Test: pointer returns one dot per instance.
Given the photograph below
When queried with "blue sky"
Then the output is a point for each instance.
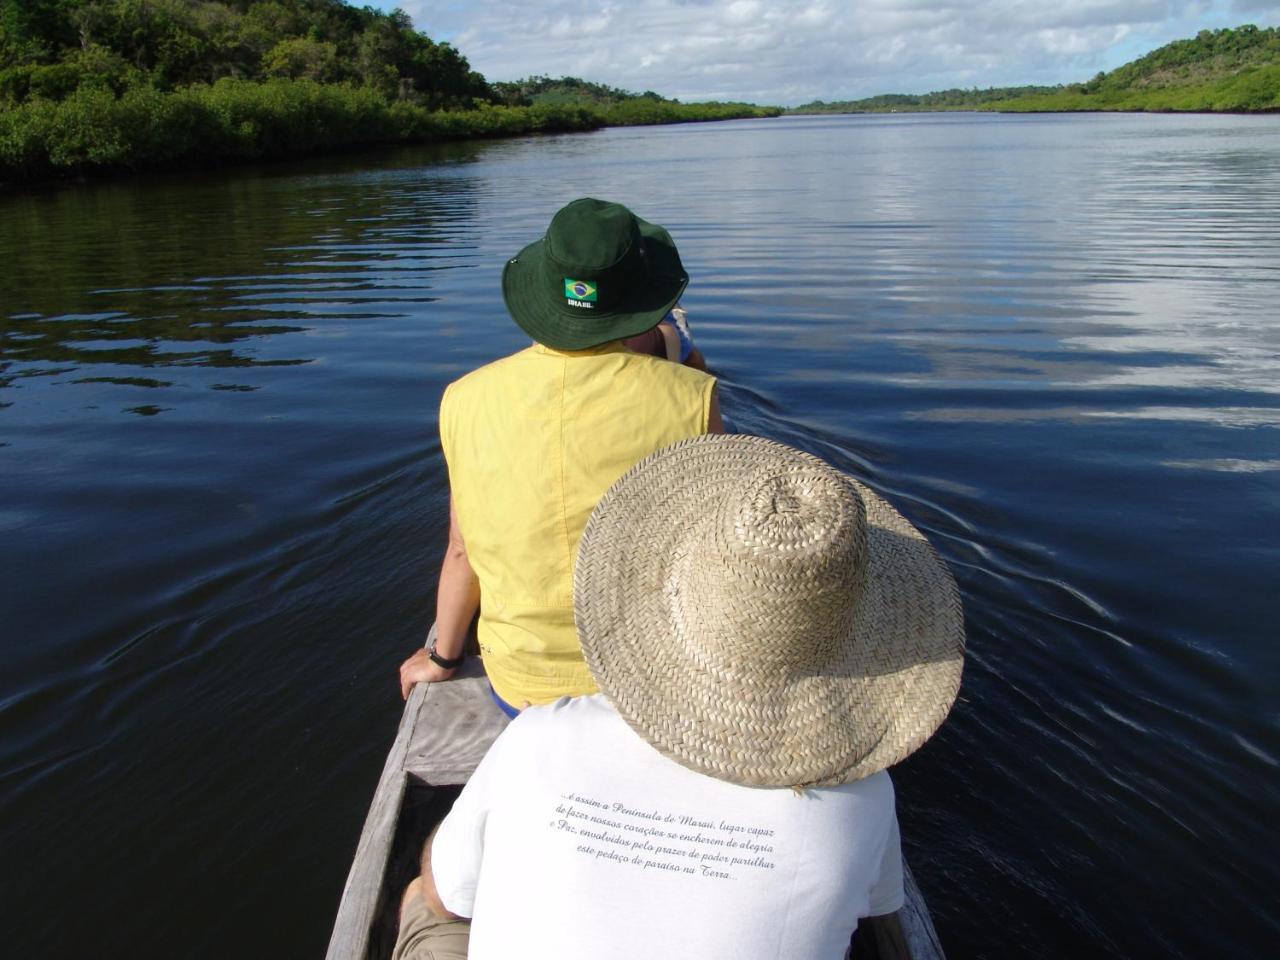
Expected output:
(791, 51)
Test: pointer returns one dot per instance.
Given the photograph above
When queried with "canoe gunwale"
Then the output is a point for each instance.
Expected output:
(357, 911)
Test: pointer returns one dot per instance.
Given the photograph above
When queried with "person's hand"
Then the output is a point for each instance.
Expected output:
(420, 668)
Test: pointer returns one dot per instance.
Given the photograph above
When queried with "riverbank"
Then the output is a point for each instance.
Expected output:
(1217, 71)
(1254, 91)
(95, 132)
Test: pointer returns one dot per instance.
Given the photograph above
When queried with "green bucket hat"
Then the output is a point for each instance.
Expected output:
(600, 274)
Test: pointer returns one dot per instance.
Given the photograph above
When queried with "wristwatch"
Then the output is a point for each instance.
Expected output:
(444, 662)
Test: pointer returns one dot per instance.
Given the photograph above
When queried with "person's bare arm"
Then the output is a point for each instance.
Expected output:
(670, 341)
(696, 360)
(429, 892)
(457, 600)
(715, 423)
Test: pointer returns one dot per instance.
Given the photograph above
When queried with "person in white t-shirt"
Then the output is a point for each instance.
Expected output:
(765, 646)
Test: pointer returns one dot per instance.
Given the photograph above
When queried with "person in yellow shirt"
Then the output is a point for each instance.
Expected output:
(671, 339)
(532, 441)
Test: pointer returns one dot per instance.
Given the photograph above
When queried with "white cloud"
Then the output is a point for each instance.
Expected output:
(742, 11)
(789, 51)
(574, 29)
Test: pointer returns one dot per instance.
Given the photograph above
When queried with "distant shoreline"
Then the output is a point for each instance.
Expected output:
(1229, 71)
(1268, 111)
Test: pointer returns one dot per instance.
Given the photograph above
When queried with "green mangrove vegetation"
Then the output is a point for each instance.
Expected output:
(133, 85)
(939, 100)
(1218, 70)
(1229, 70)
(620, 107)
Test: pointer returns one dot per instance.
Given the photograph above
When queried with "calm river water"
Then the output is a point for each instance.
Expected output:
(1051, 341)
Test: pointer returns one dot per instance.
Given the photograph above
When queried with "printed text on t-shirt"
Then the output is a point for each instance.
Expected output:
(669, 841)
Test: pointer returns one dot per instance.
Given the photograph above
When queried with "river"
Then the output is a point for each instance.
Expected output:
(1051, 341)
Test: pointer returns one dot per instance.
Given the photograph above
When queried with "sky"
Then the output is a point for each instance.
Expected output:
(787, 52)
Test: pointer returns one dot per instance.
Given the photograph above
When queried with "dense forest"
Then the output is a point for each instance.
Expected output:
(49, 48)
(92, 85)
(566, 90)
(1217, 70)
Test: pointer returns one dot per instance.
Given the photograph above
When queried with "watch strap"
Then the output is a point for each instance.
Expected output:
(445, 662)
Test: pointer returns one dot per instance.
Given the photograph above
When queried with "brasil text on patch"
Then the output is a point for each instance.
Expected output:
(579, 293)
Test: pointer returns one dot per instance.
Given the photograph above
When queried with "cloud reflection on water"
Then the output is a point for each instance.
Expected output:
(1233, 417)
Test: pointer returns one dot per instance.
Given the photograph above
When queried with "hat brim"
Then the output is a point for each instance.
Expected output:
(550, 320)
(846, 721)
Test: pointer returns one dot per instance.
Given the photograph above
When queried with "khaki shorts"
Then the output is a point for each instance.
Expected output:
(424, 936)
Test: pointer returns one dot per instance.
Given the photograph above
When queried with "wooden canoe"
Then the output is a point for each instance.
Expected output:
(445, 730)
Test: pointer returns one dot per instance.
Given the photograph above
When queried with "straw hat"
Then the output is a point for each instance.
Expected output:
(761, 618)
(600, 274)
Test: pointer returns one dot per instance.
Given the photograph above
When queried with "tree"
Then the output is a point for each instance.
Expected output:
(301, 58)
(41, 26)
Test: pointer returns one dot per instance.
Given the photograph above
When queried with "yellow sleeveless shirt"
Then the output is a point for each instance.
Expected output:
(532, 443)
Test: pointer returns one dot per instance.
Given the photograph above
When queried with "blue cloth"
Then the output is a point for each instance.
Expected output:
(686, 345)
(505, 707)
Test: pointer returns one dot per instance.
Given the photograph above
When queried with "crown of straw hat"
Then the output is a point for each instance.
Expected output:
(775, 624)
(600, 273)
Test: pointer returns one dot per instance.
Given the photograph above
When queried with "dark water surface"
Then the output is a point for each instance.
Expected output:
(1053, 342)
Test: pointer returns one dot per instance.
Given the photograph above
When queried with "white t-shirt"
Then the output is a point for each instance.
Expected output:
(576, 839)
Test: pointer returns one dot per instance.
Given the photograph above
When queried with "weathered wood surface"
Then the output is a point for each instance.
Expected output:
(444, 732)
(454, 728)
(917, 925)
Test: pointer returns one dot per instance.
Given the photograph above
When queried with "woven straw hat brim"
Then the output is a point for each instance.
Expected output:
(867, 708)
(540, 310)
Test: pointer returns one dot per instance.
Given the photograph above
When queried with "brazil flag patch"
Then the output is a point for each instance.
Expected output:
(579, 290)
